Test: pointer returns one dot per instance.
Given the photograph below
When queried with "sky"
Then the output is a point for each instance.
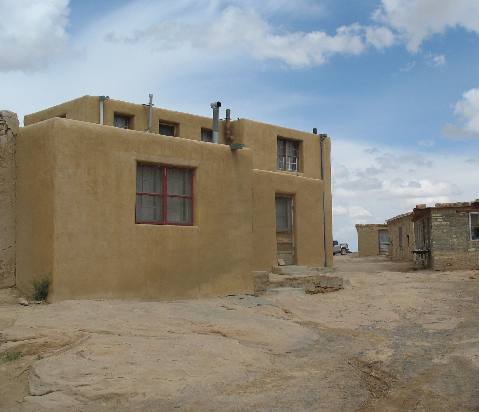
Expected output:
(394, 83)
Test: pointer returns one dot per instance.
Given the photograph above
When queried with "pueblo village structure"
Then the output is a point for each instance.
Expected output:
(445, 236)
(113, 199)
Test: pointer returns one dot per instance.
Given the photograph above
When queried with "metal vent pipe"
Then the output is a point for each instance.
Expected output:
(150, 112)
(216, 121)
(102, 108)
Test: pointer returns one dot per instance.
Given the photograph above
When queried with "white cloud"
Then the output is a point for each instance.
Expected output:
(31, 32)
(427, 143)
(375, 184)
(437, 60)
(417, 20)
(380, 37)
(467, 110)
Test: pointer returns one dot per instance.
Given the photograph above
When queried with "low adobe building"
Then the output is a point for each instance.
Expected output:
(373, 239)
(401, 237)
(447, 235)
(121, 200)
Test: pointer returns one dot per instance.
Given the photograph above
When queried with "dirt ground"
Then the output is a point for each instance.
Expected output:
(392, 340)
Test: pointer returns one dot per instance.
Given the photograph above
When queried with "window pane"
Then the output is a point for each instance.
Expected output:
(167, 129)
(474, 226)
(179, 210)
(149, 209)
(149, 179)
(206, 135)
(283, 214)
(179, 181)
(121, 121)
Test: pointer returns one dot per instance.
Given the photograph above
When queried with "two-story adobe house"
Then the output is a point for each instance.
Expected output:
(121, 200)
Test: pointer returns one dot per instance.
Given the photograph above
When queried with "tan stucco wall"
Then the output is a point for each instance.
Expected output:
(262, 138)
(86, 109)
(368, 239)
(308, 224)
(404, 253)
(35, 203)
(87, 181)
(235, 230)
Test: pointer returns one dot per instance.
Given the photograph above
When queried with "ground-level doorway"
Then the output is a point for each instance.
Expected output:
(383, 242)
(285, 230)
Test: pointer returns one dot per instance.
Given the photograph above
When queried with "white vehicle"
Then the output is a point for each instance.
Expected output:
(341, 248)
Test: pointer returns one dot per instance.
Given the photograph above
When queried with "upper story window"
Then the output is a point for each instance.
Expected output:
(168, 129)
(474, 224)
(122, 121)
(288, 155)
(164, 195)
(206, 135)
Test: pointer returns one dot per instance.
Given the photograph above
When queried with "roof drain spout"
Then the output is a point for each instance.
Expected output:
(216, 121)
(102, 108)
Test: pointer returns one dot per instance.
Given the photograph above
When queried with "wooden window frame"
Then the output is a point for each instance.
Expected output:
(176, 127)
(206, 129)
(130, 117)
(285, 156)
(164, 195)
(470, 226)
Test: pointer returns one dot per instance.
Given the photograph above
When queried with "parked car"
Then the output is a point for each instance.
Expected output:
(341, 248)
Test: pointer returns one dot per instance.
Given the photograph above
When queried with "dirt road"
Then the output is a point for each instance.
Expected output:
(391, 340)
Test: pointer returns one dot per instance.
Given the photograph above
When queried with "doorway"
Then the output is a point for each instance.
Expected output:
(383, 242)
(285, 230)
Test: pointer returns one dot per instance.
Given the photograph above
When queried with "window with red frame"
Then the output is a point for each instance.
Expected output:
(164, 195)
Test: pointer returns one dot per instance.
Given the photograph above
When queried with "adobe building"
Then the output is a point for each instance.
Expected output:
(447, 235)
(373, 240)
(163, 205)
(401, 237)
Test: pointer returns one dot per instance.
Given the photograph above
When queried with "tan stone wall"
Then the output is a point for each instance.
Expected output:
(396, 252)
(368, 239)
(451, 244)
(8, 132)
(82, 229)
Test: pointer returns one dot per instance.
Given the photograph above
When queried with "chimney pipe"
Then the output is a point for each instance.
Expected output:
(315, 131)
(216, 121)
(228, 137)
(150, 112)
(102, 108)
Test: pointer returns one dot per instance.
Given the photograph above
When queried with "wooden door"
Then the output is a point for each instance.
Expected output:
(285, 230)
(383, 242)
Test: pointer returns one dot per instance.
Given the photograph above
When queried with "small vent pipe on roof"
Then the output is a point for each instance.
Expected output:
(216, 121)
(228, 136)
(102, 108)
(150, 112)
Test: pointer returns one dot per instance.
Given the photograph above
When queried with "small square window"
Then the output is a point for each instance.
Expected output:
(122, 121)
(206, 135)
(474, 220)
(168, 129)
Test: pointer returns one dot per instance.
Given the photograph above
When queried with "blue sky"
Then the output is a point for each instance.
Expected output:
(393, 82)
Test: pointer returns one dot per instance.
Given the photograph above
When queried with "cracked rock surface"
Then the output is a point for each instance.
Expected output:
(391, 340)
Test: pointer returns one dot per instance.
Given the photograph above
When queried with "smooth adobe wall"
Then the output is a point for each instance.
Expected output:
(262, 139)
(35, 168)
(308, 224)
(87, 109)
(368, 239)
(99, 251)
